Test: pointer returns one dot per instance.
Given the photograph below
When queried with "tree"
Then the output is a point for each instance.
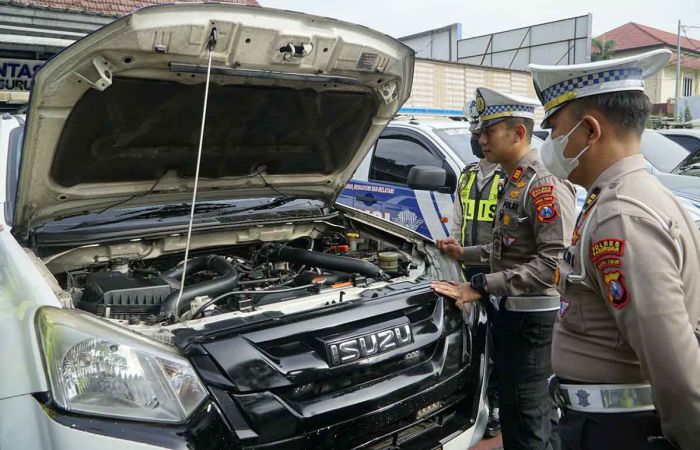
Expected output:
(604, 49)
(687, 114)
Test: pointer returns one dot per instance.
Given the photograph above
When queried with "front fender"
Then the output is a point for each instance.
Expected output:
(22, 291)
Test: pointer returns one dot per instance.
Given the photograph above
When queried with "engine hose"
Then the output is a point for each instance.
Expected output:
(327, 261)
(226, 281)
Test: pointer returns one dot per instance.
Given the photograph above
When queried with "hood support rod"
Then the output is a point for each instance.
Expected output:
(213, 35)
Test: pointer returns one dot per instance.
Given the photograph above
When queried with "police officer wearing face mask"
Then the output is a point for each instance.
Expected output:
(534, 219)
(625, 347)
(474, 210)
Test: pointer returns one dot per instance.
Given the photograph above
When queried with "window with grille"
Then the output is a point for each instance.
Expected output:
(687, 86)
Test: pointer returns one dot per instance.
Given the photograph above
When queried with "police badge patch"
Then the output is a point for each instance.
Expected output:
(546, 213)
(480, 103)
(617, 291)
(544, 203)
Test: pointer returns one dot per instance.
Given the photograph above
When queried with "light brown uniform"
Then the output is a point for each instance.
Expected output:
(635, 315)
(534, 219)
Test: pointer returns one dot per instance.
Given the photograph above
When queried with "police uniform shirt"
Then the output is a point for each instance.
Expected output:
(534, 219)
(635, 315)
(477, 228)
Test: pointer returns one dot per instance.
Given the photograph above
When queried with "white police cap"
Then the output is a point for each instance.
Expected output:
(493, 107)
(558, 85)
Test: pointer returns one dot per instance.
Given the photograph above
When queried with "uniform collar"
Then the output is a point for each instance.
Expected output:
(528, 159)
(525, 162)
(487, 167)
(624, 166)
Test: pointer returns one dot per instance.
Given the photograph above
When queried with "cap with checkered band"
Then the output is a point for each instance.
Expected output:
(493, 107)
(558, 85)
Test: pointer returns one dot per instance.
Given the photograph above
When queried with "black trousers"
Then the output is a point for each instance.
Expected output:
(522, 352)
(620, 431)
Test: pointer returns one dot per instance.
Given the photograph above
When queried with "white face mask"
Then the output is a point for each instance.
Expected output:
(552, 152)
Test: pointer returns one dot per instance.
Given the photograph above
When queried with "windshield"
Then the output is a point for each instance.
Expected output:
(458, 140)
(661, 152)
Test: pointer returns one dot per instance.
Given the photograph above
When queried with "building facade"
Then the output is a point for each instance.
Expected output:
(633, 38)
(32, 31)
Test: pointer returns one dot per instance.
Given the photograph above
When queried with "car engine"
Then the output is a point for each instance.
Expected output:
(240, 278)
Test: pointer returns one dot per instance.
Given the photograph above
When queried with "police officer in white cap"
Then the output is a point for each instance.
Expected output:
(625, 349)
(534, 219)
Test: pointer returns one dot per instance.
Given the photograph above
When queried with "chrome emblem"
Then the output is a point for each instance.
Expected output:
(350, 349)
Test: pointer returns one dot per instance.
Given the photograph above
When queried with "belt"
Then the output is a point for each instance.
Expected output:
(531, 304)
(604, 398)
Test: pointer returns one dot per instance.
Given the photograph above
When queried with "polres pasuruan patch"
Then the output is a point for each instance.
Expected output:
(607, 247)
(539, 191)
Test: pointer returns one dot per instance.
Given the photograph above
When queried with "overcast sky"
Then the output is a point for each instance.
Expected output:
(404, 17)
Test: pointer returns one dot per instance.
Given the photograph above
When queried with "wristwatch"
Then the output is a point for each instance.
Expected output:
(478, 283)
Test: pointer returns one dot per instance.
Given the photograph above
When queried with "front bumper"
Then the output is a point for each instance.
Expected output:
(27, 424)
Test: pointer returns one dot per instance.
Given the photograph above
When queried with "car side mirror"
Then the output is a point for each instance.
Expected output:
(428, 178)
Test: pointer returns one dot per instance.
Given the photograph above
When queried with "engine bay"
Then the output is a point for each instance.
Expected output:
(238, 278)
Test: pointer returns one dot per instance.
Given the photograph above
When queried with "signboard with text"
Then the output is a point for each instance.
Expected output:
(16, 74)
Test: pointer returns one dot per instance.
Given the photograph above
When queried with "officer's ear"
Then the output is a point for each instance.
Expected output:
(520, 132)
(593, 126)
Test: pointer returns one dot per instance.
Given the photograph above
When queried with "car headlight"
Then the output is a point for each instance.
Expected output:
(99, 368)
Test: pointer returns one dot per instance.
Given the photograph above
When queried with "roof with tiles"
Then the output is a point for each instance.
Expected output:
(633, 36)
(110, 8)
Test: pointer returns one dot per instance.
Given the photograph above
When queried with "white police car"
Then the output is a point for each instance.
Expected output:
(381, 186)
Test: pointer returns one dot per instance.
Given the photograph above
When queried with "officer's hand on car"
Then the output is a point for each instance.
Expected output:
(450, 246)
(462, 293)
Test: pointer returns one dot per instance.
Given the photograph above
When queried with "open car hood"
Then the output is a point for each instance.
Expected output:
(295, 102)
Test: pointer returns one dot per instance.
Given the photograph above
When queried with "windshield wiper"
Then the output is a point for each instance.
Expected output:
(155, 213)
(689, 168)
(275, 202)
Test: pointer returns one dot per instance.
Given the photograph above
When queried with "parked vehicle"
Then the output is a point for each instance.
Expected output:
(690, 140)
(666, 158)
(294, 324)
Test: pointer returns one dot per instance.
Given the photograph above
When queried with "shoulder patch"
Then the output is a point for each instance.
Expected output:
(608, 262)
(517, 174)
(547, 213)
(591, 199)
(607, 247)
(617, 291)
(545, 205)
(539, 191)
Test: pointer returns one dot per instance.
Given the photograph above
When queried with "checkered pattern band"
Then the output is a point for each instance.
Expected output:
(568, 88)
(495, 111)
